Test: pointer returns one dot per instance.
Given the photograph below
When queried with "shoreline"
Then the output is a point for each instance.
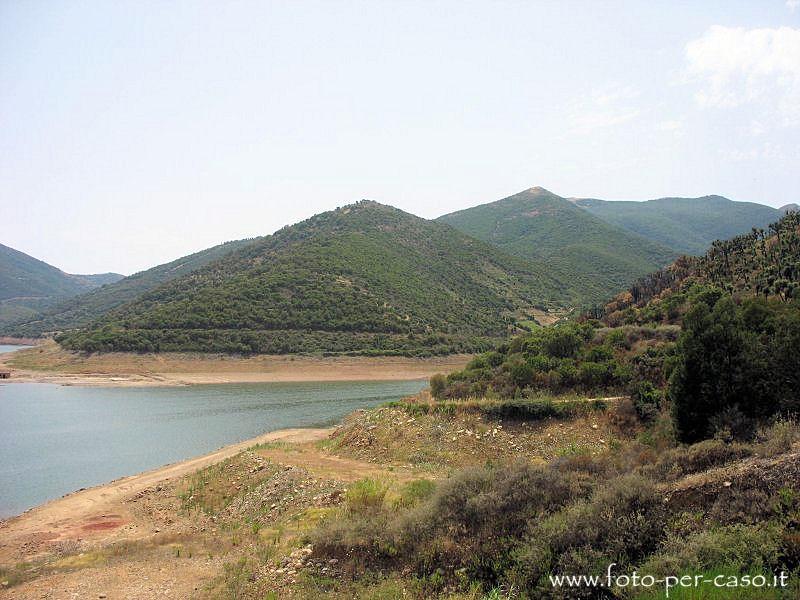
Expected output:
(48, 363)
(67, 516)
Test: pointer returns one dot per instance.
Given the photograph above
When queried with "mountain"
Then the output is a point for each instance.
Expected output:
(22, 276)
(101, 279)
(597, 258)
(763, 263)
(79, 311)
(28, 285)
(688, 225)
(794, 207)
(365, 278)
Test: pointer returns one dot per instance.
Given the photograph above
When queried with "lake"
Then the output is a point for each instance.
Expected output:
(57, 439)
(5, 348)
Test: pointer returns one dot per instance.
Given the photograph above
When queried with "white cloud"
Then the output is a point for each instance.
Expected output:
(792, 4)
(604, 108)
(675, 128)
(737, 66)
(612, 95)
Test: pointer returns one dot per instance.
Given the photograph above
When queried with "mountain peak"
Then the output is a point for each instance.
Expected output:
(538, 191)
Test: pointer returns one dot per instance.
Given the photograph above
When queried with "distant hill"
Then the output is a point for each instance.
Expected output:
(79, 311)
(22, 276)
(688, 225)
(366, 278)
(29, 285)
(101, 278)
(789, 207)
(595, 259)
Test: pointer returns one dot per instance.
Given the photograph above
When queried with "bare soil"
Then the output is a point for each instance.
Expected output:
(49, 363)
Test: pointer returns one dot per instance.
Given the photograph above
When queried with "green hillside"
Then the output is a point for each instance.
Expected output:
(596, 258)
(29, 285)
(688, 225)
(714, 339)
(22, 276)
(81, 310)
(764, 263)
(366, 278)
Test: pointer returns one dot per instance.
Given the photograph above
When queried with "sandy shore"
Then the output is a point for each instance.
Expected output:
(77, 515)
(48, 363)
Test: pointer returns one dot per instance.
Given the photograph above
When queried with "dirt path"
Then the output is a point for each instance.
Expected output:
(98, 514)
(330, 466)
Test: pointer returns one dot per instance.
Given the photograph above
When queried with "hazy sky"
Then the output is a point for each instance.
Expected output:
(132, 133)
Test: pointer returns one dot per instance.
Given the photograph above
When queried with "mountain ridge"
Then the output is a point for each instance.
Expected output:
(688, 225)
(365, 278)
(29, 285)
(79, 311)
(539, 225)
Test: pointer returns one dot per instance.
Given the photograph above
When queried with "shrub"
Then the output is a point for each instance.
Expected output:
(438, 384)
(777, 438)
(732, 424)
(623, 522)
(737, 504)
(677, 462)
(646, 400)
(366, 495)
(738, 547)
(416, 491)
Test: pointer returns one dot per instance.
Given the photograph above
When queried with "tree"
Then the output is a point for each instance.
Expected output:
(718, 369)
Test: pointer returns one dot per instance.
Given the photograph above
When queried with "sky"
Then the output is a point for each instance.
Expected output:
(133, 133)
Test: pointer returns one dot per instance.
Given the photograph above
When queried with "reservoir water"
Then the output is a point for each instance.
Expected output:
(57, 439)
(5, 348)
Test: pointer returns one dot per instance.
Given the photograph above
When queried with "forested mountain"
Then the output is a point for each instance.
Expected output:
(79, 311)
(577, 258)
(28, 285)
(687, 225)
(763, 263)
(22, 276)
(597, 258)
(365, 278)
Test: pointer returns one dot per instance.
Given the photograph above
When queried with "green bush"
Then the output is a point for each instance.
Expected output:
(623, 522)
(684, 460)
(646, 400)
(366, 495)
(738, 547)
(438, 384)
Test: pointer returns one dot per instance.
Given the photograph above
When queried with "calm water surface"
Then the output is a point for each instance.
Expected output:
(57, 439)
(4, 348)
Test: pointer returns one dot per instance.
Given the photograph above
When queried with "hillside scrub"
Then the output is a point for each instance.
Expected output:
(573, 357)
(733, 364)
(512, 526)
(764, 263)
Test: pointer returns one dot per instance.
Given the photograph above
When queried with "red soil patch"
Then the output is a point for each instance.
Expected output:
(104, 523)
